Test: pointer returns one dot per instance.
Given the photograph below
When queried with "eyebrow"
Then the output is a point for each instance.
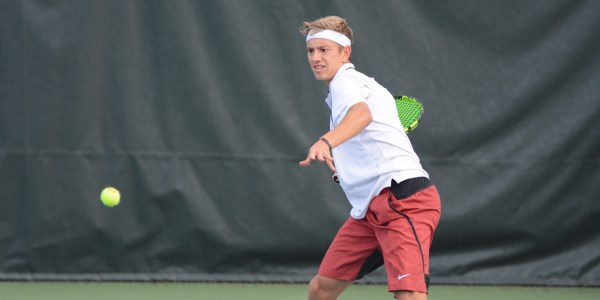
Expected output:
(318, 47)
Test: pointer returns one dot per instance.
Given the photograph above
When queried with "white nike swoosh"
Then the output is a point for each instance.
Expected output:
(402, 276)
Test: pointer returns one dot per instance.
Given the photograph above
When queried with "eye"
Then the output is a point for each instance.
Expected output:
(310, 50)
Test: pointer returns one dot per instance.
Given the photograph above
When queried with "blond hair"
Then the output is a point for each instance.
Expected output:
(334, 23)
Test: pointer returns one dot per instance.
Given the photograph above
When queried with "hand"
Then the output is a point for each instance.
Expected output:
(319, 151)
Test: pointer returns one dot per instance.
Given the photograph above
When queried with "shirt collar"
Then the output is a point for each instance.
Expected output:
(343, 68)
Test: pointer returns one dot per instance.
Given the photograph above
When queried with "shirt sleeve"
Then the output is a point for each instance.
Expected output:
(346, 92)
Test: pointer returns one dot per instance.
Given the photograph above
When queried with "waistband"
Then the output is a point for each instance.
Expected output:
(409, 187)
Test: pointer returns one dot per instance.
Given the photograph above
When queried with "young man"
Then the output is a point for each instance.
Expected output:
(395, 208)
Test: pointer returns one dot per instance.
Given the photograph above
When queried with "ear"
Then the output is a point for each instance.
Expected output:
(346, 51)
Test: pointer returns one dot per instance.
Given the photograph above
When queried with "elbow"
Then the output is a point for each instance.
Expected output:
(360, 114)
(364, 117)
(367, 118)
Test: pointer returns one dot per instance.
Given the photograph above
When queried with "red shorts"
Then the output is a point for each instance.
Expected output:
(395, 232)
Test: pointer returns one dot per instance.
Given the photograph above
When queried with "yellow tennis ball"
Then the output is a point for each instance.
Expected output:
(110, 196)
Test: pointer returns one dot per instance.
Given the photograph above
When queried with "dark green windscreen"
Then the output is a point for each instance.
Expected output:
(199, 112)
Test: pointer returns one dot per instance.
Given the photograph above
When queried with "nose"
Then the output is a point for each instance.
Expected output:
(314, 57)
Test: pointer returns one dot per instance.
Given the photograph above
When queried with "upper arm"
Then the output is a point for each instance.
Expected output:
(345, 94)
(360, 112)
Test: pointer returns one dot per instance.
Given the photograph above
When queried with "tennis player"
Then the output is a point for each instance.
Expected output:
(395, 207)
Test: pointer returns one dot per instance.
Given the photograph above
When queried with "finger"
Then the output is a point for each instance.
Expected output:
(328, 157)
(309, 158)
(321, 157)
(331, 166)
(305, 162)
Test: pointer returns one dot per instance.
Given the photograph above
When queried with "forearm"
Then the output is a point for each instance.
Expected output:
(357, 118)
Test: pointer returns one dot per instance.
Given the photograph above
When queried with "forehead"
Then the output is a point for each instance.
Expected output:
(320, 43)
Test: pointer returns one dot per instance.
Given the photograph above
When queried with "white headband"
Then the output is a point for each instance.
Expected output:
(330, 35)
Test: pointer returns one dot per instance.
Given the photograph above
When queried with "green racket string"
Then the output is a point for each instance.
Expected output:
(409, 112)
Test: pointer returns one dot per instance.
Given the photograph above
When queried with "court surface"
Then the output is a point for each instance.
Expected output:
(222, 291)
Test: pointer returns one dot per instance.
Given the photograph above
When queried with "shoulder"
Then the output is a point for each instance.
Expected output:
(349, 79)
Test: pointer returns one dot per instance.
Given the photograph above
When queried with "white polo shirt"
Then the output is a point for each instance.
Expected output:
(367, 163)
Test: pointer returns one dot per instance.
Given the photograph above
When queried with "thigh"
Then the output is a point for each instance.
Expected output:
(352, 250)
(404, 229)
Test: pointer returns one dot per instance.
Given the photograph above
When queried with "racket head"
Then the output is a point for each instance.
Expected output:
(410, 111)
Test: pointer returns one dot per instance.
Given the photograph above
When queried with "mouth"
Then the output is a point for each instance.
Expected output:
(318, 68)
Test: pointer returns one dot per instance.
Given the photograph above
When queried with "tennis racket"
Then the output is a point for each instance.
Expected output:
(410, 111)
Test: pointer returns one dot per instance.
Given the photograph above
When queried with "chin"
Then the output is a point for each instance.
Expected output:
(320, 77)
